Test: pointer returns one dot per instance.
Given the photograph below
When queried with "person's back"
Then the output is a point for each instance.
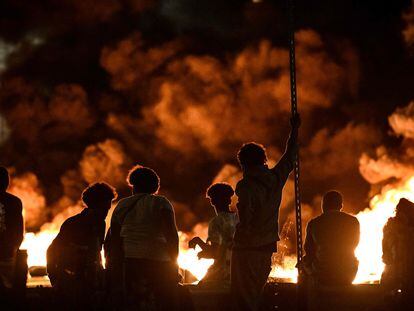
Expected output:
(330, 245)
(11, 230)
(398, 254)
(73, 258)
(259, 196)
(143, 228)
(264, 188)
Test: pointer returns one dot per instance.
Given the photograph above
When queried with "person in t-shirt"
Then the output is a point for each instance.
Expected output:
(146, 225)
(220, 234)
(11, 231)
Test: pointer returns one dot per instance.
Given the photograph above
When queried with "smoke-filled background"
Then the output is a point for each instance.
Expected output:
(89, 88)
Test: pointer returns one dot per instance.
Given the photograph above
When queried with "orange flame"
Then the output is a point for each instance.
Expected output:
(368, 252)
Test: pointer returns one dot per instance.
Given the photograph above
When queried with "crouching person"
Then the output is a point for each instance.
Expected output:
(147, 229)
(220, 236)
(74, 258)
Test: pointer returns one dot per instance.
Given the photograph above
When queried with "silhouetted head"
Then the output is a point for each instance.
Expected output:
(4, 179)
(252, 155)
(98, 197)
(405, 208)
(143, 180)
(332, 201)
(220, 196)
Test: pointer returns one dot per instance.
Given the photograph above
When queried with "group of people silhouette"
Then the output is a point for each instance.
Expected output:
(142, 244)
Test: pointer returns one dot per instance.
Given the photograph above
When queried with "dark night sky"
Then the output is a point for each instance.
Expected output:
(74, 33)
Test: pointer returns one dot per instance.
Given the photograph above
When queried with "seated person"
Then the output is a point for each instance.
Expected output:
(74, 257)
(331, 239)
(397, 250)
(220, 233)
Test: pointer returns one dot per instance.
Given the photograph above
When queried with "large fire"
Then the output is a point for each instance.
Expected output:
(368, 252)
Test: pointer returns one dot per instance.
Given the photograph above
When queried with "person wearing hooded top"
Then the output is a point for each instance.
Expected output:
(259, 195)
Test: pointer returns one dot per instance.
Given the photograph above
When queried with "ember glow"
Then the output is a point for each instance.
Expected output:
(36, 245)
(372, 220)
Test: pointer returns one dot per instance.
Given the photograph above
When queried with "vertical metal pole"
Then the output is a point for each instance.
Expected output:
(301, 288)
(294, 108)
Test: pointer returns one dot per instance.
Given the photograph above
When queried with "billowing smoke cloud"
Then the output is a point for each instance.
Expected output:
(105, 161)
(198, 100)
(122, 97)
(4, 130)
(393, 164)
(28, 189)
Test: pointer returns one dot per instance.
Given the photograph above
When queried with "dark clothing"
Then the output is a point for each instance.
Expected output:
(331, 239)
(11, 236)
(259, 196)
(11, 225)
(249, 272)
(74, 260)
(398, 254)
(150, 284)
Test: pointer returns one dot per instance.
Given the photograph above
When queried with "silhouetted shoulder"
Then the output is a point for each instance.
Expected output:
(163, 202)
(125, 201)
(13, 200)
(69, 222)
(352, 219)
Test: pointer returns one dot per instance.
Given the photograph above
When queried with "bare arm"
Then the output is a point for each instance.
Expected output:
(285, 165)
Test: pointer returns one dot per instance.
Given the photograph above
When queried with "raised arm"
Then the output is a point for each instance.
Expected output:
(285, 165)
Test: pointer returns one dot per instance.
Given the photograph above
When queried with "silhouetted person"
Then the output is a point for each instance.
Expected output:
(74, 259)
(220, 235)
(259, 196)
(11, 231)
(398, 250)
(146, 223)
(331, 239)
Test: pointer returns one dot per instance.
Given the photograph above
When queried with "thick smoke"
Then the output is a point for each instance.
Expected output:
(28, 189)
(390, 165)
(113, 96)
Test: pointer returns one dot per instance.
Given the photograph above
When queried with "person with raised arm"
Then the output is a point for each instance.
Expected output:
(259, 195)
